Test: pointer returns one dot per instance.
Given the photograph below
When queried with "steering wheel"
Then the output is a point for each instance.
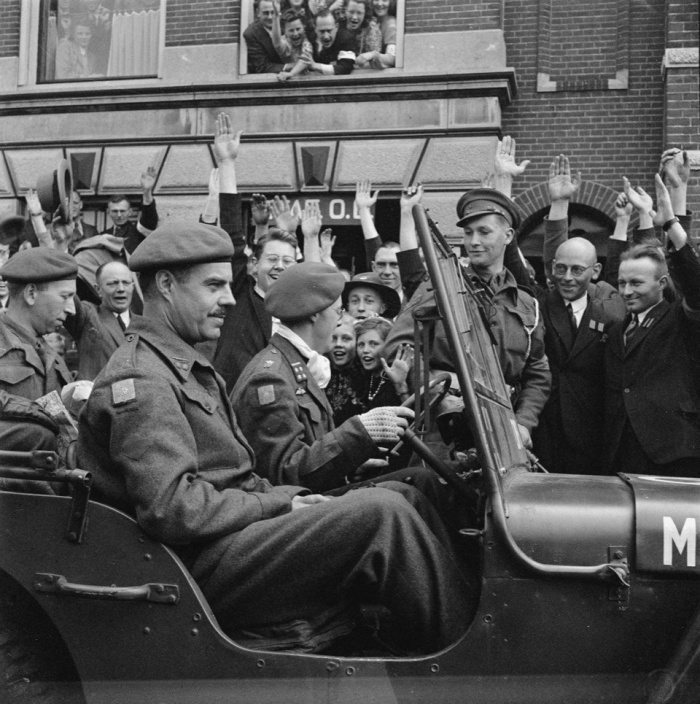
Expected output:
(444, 378)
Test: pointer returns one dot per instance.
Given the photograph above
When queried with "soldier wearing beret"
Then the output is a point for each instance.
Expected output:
(41, 283)
(164, 444)
(489, 219)
(281, 404)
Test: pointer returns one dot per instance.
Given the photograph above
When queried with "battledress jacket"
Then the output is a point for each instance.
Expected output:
(290, 422)
(163, 443)
(516, 325)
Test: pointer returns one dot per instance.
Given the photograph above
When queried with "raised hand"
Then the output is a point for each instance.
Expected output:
(675, 167)
(311, 220)
(260, 209)
(286, 217)
(505, 159)
(363, 195)
(639, 198)
(561, 185)
(327, 244)
(623, 208)
(226, 143)
(410, 196)
(33, 203)
(664, 208)
(398, 371)
(148, 179)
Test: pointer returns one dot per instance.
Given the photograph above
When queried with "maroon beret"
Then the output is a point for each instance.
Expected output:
(303, 290)
(39, 265)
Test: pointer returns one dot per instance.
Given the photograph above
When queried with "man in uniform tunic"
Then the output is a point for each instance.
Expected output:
(163, 442)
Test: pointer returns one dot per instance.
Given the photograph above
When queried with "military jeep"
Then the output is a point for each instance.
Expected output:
(588, 585)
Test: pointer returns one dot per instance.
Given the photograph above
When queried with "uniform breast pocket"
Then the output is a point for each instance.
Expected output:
(10, 375)
(311, 411)
(200, 400)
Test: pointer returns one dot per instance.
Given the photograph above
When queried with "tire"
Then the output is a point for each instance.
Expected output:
(35, 667)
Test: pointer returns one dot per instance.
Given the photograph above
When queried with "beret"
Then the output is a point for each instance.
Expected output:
(303, 290)
(372, 280)
(39, 265)
(487, 201)
(182, 244)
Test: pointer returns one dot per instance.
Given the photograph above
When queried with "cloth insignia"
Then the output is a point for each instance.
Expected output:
(300, 392)
(299, 373)
(597, 326)
(648, 322)
(123, 391)
(266, 395)
(267, 364)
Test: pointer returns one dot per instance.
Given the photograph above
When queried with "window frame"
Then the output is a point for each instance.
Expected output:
(28, 67)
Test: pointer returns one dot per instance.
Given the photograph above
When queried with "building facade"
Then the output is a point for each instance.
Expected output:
(611, 83)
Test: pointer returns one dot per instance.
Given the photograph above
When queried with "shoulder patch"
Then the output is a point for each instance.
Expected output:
(266, 395)
(123, 391)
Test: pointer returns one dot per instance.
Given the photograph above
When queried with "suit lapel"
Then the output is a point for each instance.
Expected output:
(560, 321)
(111, 325)
(590, 329)
(649, 322)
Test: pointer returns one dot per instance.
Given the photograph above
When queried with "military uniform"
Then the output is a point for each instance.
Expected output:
(28, 366)
(517, 328)
(163, 443)
(290, 422)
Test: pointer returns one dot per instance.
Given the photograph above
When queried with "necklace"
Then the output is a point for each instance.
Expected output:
(371, 392)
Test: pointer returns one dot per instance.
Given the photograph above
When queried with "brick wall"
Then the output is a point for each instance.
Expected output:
(682, 23)
(450, 16)
(9, 28)
(202, 22)
(606, 134)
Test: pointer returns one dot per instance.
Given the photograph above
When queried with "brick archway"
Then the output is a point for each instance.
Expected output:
(591, 194)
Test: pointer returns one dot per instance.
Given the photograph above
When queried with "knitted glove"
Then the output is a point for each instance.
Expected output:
(385, 425)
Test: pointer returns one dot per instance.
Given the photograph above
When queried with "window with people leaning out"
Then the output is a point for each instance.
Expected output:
(82, 40)
(296, 38)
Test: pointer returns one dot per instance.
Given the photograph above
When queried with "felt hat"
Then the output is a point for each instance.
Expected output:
(182, 244)
(487, 201)
(54, 189)
(303, 290)
(39, 265)
(372, 280)
(11, 229)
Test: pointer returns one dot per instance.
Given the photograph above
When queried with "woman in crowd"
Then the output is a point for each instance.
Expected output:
(73, 57)
(346, 374)
(360, 21)
(385, 14)
(382, 385)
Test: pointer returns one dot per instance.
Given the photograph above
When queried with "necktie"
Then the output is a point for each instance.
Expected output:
(120, 320)
(631, 329)
(572, 319)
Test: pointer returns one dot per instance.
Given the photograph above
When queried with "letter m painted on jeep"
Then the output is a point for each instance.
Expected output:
(685, 540)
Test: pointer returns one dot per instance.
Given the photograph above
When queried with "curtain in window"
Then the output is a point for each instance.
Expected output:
(135, 44)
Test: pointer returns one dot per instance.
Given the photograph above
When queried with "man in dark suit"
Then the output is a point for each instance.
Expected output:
(262, 56)
(99, 330)
(335, 48)
(248, 326)
(81, 230)
(652, 412)
(577, 314)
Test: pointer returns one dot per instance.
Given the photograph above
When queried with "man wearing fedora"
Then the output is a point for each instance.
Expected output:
(262, 554)
(489, 219)
(365, 296)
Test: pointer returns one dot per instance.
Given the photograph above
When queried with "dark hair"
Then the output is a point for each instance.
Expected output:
(15, 288)
(323, 14)
(381, 325)
(367, 4)
(292, 16)
(274, 234)
(118, 198)
(646, 251)
(147, 279)
(79, 20)
(392, 8)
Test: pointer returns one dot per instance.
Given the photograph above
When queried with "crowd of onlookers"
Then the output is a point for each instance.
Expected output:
(299, 37)
(213, 374)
